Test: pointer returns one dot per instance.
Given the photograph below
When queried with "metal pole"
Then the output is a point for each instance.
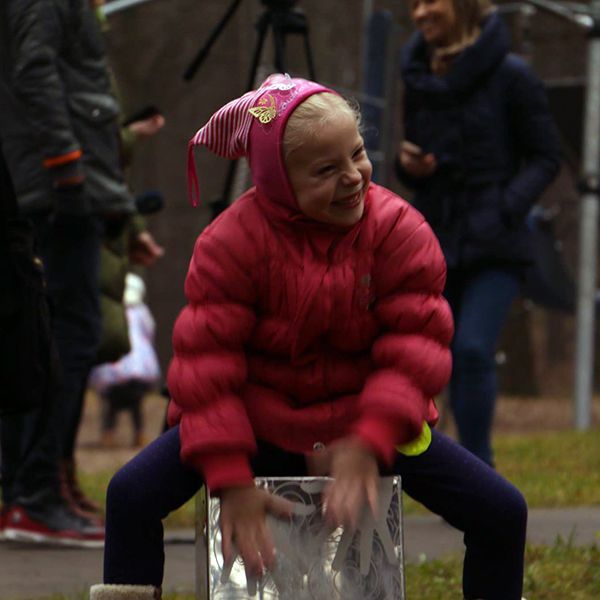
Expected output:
(588, 17)
(367, 12)
(572, 11)
(588, 243)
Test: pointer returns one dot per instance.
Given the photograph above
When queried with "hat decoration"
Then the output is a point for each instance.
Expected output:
(228, 132)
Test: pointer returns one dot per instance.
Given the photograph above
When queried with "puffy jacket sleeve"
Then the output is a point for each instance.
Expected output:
(536, 142)
(411, 358)
(37, 31)
(208, 369)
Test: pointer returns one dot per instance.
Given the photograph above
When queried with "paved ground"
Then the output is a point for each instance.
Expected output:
(31, 571)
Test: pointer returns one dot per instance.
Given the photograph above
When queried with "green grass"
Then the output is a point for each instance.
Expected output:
(551, 469)
(558, 572)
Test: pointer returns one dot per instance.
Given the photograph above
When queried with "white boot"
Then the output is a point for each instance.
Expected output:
(111, 591)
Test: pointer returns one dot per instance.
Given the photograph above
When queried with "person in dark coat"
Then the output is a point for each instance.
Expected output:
(480, 147)
(59, 134)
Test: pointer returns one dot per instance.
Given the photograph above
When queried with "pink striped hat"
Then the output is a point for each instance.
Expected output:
(253, 126)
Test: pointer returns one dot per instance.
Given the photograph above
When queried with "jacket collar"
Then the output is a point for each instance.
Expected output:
(469, 67)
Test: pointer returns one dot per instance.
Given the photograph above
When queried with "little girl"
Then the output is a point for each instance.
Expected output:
(314, 340)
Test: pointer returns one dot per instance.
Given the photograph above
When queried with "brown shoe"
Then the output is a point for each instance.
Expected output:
(140, 440)
(73, 494)
(107, 439)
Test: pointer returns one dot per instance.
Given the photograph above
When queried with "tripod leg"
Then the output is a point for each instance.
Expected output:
(279, 42)
(309, 57)
(220, 205)
(290, 22)
(262, 26)
(203, 52)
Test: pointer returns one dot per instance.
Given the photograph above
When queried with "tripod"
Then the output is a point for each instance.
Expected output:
(282, 19)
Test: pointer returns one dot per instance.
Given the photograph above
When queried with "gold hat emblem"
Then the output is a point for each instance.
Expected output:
(265, 112)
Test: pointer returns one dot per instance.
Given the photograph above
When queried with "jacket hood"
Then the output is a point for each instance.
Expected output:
(252, 126)
(467, 69)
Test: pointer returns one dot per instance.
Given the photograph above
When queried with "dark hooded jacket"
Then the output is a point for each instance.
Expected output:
(487, 122)
(58, 117)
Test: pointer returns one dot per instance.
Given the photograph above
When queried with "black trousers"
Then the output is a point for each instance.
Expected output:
(34, 444)
(447, 479)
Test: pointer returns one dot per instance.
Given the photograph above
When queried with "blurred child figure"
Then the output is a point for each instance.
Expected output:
(122, 385)
(314, 341)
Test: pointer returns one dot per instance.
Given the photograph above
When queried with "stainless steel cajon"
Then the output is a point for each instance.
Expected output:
(313, 561)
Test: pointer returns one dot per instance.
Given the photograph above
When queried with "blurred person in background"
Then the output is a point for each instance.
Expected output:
(126, 363)
(27, 355)
(60, 138)
(123, 384)
(480, 147)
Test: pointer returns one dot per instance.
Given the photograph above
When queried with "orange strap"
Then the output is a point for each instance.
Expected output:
(63, 159)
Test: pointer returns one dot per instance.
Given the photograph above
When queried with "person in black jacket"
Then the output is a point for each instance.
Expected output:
(60, 138)
(27, 354)
(480, 147)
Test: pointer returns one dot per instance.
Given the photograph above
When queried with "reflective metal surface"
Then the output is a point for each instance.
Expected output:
(313, 562)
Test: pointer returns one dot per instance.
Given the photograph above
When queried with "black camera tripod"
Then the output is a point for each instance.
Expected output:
(282, 19)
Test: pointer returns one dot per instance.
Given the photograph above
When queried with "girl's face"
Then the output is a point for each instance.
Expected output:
(435, 19)
(330, 173)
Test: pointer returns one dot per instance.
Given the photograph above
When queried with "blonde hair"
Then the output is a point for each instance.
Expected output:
(312, 114)
(469, 14)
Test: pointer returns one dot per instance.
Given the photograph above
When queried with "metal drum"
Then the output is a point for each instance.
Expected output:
(313, 561)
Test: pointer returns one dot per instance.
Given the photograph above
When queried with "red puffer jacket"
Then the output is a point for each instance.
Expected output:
(298, 333)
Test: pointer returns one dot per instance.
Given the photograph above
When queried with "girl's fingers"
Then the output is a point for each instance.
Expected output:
(249, 551)
(345, 504)
(227, 543)
(340, 503)
(267, 549)
(280, 507)
(372, 499)
(355, 507)
(329, 506)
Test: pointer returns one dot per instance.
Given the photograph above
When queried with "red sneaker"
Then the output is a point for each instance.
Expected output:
(55, 524)
(3, 512)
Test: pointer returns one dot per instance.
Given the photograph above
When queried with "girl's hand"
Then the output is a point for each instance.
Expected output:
(243, 512)
(318, 463)
(415, 162)
(356, 476)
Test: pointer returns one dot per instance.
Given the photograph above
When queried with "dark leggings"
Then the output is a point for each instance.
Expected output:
(480, 302)
(447, 479)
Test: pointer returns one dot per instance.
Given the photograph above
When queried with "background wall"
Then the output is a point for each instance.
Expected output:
(152, 44)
